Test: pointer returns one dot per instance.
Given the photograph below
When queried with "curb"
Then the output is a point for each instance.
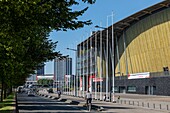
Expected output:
(72, 102)
(16, 104)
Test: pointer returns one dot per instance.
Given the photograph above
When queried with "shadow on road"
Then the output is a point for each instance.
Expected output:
(48, 108)
(106, 107)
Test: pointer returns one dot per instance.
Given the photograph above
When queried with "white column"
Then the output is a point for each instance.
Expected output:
(70, 74)
(101, 62)
(107, 46)
(80, 67)
(96, 65)
(64, 77)
(113, 65)
(55, 74)
(87, 66)
(91, 66)
(67, 71)
(76, 71)
(83, 65)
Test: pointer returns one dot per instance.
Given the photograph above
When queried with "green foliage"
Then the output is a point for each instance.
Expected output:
(50, 90)
(7, 105)
(45, 82)
(11, 96)
(51, 14)
(24, 30)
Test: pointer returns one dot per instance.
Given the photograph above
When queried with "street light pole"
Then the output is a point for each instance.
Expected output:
(101, 62)
(113, 63)
(75, 89)
(112, 94)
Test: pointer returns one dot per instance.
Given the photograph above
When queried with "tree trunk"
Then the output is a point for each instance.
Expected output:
(2, 89)
(5, 89)
(10, 90)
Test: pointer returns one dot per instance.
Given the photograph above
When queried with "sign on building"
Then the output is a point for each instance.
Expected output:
(139, 75)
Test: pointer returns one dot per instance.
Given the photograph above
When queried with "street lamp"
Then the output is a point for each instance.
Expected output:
(71, 49)
(100, 27)
(75, 89)
(113, 73)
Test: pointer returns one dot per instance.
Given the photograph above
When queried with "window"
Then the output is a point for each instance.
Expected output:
(131, 88)
(116, 88)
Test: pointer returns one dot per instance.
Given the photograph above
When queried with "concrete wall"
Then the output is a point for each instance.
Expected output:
(155, 85)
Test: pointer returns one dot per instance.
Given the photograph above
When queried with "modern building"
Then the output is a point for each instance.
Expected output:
(130, 56)
(31, 80)
(40, 71)
(46, 76)
(62, 72)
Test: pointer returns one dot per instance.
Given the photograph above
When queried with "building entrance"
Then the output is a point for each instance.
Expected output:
(150, 90)
(122, 89)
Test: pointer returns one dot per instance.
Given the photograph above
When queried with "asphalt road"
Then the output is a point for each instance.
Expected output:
(38, 104)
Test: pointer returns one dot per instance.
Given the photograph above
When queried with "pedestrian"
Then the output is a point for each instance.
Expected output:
(59, 93)
(118, 98)
(104, 97)
(88, 97)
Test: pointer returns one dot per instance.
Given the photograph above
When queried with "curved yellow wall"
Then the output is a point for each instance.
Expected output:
(147, 45)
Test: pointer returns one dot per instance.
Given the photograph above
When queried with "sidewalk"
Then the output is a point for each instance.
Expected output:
(128, 103)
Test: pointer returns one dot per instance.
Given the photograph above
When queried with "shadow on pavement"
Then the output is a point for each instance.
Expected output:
(74, 102)
(62, 100)
(48, 107)
(106, 107)
(7, 111)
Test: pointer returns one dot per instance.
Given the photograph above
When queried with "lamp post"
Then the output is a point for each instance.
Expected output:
(101, 60)
(113, 61)
(100, 27)
(111, 90)
(75, 89)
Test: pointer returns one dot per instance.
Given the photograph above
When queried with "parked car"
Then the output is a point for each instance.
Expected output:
(19, 89)
(30, 93)
(50, 90)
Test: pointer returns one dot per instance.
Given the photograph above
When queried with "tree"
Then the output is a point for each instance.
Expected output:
(24, 29)
(50, 14)
(45, 82)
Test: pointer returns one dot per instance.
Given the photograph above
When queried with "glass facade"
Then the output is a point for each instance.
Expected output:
(40, 71)
(62, 67)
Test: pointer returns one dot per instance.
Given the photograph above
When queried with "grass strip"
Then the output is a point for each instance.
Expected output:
(8, 104)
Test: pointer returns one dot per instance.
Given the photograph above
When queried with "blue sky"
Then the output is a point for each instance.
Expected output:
(98, 13)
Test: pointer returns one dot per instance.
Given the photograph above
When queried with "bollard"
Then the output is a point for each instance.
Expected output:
(154, 106)
(133, 103)
(167, 107)
(138, 103)
(148, 105)
(129, 102)
(142, 104)
(160, 106)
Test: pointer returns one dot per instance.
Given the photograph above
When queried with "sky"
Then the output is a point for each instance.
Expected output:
(99, 13)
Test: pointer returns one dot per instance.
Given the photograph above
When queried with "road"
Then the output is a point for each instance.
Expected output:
(38, 104)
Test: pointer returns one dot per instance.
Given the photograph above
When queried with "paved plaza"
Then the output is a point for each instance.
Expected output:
(128, 103)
